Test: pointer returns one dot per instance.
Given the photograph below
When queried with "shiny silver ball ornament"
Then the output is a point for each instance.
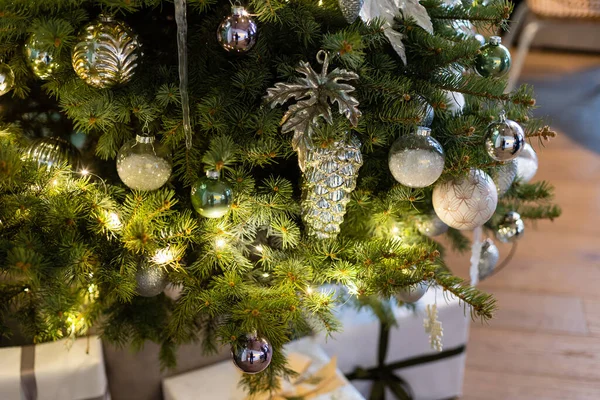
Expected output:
(412, 293)
(151, 280)
(107, 53)
(251, 353)
(238, 32)
(52, 152)
(510, 228)
(417, 159)
(431, 226)
(505, 139)
(351, 9)
(41, 60)
(527, 164)
(488, 259)
(7, 79)
(505, 176)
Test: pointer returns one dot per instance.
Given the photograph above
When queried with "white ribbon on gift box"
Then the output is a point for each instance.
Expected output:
(51, 371)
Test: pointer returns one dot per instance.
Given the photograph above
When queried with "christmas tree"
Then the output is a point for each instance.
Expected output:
(250, 155)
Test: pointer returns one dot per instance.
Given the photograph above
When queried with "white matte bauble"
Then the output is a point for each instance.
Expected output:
(455, 102)
(144, 164)
(466, 203)
(505, 176)
(416, 160)
(527, 163)
(412, 293)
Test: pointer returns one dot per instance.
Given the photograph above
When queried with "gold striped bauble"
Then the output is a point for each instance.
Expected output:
(107, 54)
(54, 151)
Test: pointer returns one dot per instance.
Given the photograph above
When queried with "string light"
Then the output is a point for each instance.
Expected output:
(265, 275)
(220, 243)
(84, 172)
(55, 182)
(26, 290)
(309, 290)
(164, 256)
(259, 248)
(114, 222)
(395, 230)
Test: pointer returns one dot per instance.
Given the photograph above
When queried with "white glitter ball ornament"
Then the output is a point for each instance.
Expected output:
(527, 163)
(416, 160)
(144, 164)
(466, 203)
(505, 176)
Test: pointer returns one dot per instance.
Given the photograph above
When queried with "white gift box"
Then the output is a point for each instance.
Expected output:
(357, 346)
(220, 381)
(62, 370)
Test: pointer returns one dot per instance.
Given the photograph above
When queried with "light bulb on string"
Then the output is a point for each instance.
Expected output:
(164, 256)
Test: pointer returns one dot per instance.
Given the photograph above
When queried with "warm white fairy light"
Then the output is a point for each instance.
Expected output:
(352, 288)
(26, 290)
(265, 275)
(309, 290)
(220, 243)
(395, 230)
(55, 182)
(84, 172)
(113, 222)
(259, 248)
(164, 256)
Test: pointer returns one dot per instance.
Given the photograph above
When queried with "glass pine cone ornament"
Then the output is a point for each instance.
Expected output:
(527, 163)
(42, 61)
(144, 163)
(416, 160)
(412, 293)
(493, 60)
(329, 177)
(351, 9)
(107, 53)
(211, 197)
(7, 79)
(466, 202)
(238, 32)
(505, 139)
(151, 280)
(54, 151)
(510, 228)
(488, 259)
(251, 353)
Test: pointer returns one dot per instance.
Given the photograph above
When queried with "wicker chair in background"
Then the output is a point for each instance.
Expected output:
(532, 15)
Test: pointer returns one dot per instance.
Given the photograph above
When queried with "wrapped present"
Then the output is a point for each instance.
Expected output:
(62, 370)
(318, 379)
(400, 361)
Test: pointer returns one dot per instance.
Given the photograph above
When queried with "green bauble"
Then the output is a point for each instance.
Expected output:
(42, 61)
(494, 59)
(211, 197)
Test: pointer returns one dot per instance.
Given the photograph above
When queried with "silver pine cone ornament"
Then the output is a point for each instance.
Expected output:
(107, 54)
(330, 171)
(351, 9)
(329, 178)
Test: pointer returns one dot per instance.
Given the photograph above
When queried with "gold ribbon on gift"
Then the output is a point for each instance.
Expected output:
(306, 385)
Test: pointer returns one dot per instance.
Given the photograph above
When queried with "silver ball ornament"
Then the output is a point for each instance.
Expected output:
(251, 353)
(416, 160)
(505, 139)
(151, 280)
(42, 61)
(432, 226)
(488, 259)
(237, 33)
(7, 79)
(510, 228)
(52, 152)
(505, 176)
(107, 53)
(412, 293)
(527, 163)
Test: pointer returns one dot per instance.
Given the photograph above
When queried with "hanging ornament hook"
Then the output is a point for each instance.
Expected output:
(503, 116)
(323, 58)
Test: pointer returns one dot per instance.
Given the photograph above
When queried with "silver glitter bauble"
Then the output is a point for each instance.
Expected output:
(527, 164)
(144, 164)
(416, 160)
(42, 60)
(505, 176)
(252, 354)
(329, 178)
(54, 151)
(7, 78)
(351, 9)
(504, 140)
(488, 259)
(432, 226)
(237, 33)
(107, 53)
(466, 202)
(412, 293)
(510, 228)
(151, 280)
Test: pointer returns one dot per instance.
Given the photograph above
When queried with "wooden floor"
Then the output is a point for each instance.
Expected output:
(545, 340)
